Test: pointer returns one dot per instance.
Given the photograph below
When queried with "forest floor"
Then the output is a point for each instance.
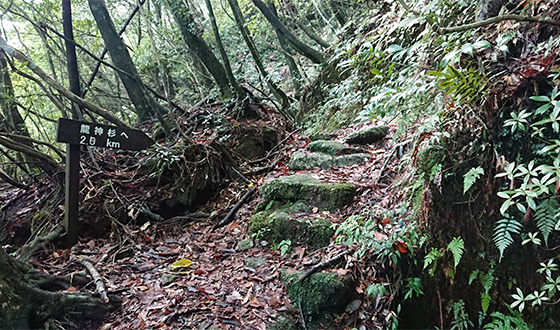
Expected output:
(180, 273)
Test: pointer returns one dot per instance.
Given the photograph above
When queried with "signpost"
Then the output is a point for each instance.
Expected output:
(75, 133)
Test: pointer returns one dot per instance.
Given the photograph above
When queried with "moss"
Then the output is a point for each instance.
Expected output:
(308, 188)
(349, 160)
(369, 135)
(302, 161)
(332, 148)
(283, 323)
(276, 226)
(322, 136)
(317, 292)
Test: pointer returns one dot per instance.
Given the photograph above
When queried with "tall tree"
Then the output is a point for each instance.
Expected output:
(193, 39)
(294, 42)
(221, 49)
(240, 20)
(145, 106)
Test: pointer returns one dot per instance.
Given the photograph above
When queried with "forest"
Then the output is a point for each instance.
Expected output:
(279, 164)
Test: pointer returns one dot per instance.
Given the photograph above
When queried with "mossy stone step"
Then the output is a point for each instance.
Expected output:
(319, 292)
(303, 161)
(305, 187)
(368, 135)
(322, 136)
(277, 226)
(333, 148)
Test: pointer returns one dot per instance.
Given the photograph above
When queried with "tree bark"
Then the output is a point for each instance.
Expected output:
(194, 41)
(296, 44)
(144, 105)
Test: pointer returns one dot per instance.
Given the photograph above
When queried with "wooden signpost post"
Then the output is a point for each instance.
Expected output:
(75, 133)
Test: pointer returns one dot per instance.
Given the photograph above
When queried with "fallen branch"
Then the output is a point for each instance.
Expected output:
(234, 209)
(322, 265)
(382, 169)
(97, 279)
(498, 19)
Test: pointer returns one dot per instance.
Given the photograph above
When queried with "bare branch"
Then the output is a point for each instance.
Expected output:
(498, 19)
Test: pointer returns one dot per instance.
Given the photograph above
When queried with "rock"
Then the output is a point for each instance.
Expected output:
(322, 136)
(349, 160)
(255, 262)
(319, 292)
(368, 135)
(276, 226)
(245, 244)
(307, 188)
(333, 148)
(302, 161)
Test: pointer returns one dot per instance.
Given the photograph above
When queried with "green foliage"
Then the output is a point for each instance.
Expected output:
(431, 259)
(471, 176)
(546, 217)
(460, 317)
(284, 246)
(466, 86)
(457, 248)
(413, 287)
(502, 233)
(501, 321)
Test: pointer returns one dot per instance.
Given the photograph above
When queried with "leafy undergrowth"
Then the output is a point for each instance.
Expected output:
(184, 273)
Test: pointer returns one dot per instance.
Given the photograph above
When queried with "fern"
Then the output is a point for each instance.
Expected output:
(466, 85)
(457, 248)
(470, 177)
(502, 233)
(545, 217)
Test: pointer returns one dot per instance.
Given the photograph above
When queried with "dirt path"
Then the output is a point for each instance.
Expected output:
(183, 274)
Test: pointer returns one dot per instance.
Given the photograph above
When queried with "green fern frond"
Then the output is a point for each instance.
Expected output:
(457, 248)
(464, 85)
(545, 217)
(502, 233)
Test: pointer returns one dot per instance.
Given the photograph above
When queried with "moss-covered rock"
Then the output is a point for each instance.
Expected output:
(322, 136)
(303, 161)
(306, 187)
(319, 292)
(333, 148)
(276, 226)
(349, 160)
(368, 135)
(283, 323)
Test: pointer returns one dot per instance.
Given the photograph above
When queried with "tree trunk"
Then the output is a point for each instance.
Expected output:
(297, 44)
(71, 59)
(144, 105)
(238, 15)
(194, 41)
(223, 54)
(292, 65)
(25, 301)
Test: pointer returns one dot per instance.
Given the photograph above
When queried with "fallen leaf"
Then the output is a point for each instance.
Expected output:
(183, 263)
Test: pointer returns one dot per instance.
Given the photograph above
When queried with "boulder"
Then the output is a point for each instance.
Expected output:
(333, 148)
(322, 136)
(306, 161)
(368, 135)
(277, 226)
(305, 187)
(319, 292)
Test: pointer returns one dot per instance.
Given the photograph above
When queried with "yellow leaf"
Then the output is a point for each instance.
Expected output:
(183, 263)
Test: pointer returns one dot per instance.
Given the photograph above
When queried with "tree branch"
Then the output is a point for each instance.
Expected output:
(498, 19)
(57, 86)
